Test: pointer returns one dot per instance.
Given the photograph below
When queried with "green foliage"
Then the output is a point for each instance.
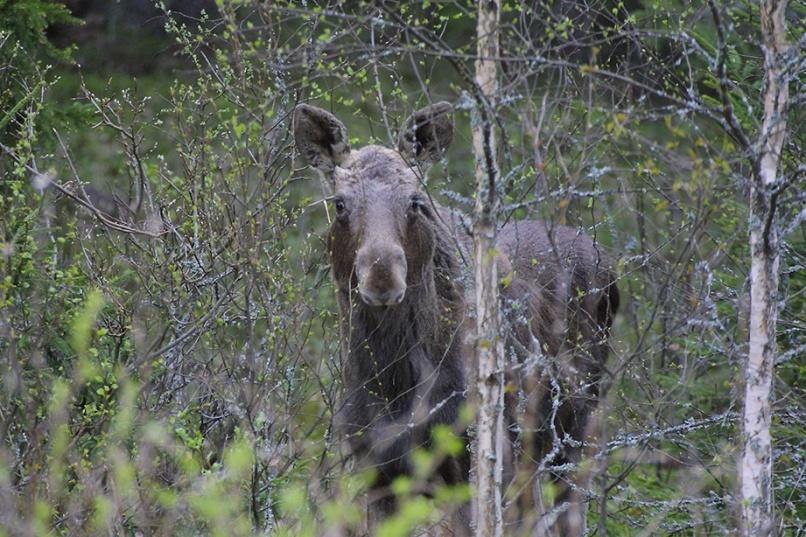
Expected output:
(27, 21)
(27, 56)
(180, 378)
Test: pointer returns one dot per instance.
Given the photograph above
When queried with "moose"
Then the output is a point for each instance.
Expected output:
(399, 265)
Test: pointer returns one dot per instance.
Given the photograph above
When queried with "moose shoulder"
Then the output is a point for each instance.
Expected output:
(406, 331)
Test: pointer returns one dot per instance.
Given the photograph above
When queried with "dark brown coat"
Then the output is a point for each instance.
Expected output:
(407, 325)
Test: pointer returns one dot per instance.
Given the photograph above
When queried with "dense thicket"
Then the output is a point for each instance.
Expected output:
(168, 352)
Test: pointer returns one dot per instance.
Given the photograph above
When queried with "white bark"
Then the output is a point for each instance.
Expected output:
(487, 510)
(755, 491)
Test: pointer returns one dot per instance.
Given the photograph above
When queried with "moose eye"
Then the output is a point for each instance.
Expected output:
(338, 203)
(418, 205)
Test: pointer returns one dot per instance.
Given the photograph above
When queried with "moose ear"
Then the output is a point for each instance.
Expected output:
(427, 133)
(321, 138)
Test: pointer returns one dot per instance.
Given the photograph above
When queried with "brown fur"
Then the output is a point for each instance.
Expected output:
(406, 360)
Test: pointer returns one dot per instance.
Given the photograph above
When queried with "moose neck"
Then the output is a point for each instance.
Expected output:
(389, 347)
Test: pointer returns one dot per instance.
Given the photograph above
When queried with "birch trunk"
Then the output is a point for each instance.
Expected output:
(755, 494)
(487, 511)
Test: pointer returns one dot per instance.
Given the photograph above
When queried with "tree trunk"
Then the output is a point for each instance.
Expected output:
(755, 494)
(489, 396)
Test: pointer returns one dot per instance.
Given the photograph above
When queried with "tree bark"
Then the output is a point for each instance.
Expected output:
(488, 464)
(755, 494)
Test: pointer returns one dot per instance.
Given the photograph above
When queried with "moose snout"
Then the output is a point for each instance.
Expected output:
(386, 298)
(381, 275)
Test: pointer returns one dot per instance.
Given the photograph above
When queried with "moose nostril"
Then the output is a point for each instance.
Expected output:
(369, 298)
(398, 297)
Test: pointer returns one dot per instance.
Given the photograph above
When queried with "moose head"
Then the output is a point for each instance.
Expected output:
(382, 236)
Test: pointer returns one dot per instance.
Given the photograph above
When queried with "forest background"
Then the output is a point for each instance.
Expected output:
(169, 355)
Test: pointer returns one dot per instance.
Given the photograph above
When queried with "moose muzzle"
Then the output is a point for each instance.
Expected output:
(381, 272)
